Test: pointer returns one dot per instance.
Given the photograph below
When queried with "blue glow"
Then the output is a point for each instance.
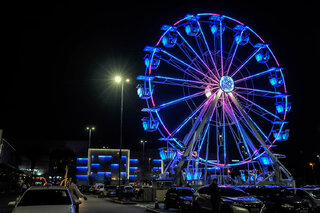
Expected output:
(156, 160)
(215, 28)
(265, 161)
(95, 165)
(167, 153)
(275, 81)
(226, 83)
(82, 167)
(192, 29)
(134, 160)
(169, 40)
(242, 39)
(156, 168)
(283, 136)
(144, 92)
(115, 165)
(149, 124)
(108, 157)
(262, 56)
(82, 177)
(155, 61)
(280, 107)
(82, 159)
(133, 168)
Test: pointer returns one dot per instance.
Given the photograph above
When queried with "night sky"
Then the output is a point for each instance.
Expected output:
(68, 53)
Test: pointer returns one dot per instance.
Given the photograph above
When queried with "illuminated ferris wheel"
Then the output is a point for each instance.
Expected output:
(217, 94)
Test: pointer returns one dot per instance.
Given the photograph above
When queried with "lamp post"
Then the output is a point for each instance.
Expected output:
(119, 80)
(90, 129)
(143, 142)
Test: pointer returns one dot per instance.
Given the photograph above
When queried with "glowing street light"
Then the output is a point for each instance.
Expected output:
(118, 80)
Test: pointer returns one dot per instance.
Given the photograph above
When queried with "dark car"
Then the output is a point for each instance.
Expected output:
(310, 194)
(179, 198)
(110, 191)
(233, 200)
(279, 199)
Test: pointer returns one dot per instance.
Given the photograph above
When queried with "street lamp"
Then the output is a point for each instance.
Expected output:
(143, 142)
(90, 129)
(118, 79)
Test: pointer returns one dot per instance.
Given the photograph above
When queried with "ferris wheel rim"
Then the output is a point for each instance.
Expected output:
(272, 54)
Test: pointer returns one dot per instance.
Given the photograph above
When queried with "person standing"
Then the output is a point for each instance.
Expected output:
(75, 193)
(215, 196)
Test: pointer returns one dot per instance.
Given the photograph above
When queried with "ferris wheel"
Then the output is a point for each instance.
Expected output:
(217, 94)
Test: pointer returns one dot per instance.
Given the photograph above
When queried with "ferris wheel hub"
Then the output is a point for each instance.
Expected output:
(226, 83)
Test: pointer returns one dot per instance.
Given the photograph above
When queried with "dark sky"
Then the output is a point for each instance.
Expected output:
(68, 52)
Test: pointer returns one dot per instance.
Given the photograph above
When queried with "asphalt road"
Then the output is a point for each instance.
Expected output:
(100, 205)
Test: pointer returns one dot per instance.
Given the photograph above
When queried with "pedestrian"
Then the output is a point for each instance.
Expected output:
(24, 187)
(75, 193)
(215, 196)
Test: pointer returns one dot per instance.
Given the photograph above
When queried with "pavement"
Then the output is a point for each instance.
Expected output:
(101, 205)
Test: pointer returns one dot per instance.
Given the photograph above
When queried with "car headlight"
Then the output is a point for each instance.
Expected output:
(287, 206)
(187, 202)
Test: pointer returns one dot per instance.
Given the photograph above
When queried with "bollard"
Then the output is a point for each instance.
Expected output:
(156, 204)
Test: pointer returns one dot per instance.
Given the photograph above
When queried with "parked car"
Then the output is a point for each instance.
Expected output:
(233, 200)
(110, 191)
(279, 199)
(310, 194)
(179, 198)
(125, 191)
(45, 199)
(98, 188)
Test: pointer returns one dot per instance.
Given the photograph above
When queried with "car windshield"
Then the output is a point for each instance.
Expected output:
(229, 192)
(314, 193)
(185, 192)
(45, 197)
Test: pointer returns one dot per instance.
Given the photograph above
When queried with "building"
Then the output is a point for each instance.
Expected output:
(103, 167)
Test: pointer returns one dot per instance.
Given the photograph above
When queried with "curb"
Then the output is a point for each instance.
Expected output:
(148, 209)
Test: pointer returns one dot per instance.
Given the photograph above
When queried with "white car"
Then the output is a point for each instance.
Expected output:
(49, 199)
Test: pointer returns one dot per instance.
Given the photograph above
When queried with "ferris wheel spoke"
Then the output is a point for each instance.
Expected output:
(258, 106)
(240, 131)
(252, 126)
(257, 92)
(221, 48)
(189, 118)
(179, 100)
(272, 69)
(246, 61)
(177, 82)
(187, 65)
(208, 49)
(195, 53)
(234, 52)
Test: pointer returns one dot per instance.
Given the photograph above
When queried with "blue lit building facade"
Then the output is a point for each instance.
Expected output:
(103, 167)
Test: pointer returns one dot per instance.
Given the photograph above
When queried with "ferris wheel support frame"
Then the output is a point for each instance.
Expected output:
(196, 134)
(277, 165)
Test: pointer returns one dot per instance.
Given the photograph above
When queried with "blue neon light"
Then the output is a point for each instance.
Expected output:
(134, 160)
(95, 165)
(242, 39)
(82, 167)
(82, 177)
(149, 124)
(265, 161)
(105, 157)
(82, 159)
(133, 168)
(114, 165)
